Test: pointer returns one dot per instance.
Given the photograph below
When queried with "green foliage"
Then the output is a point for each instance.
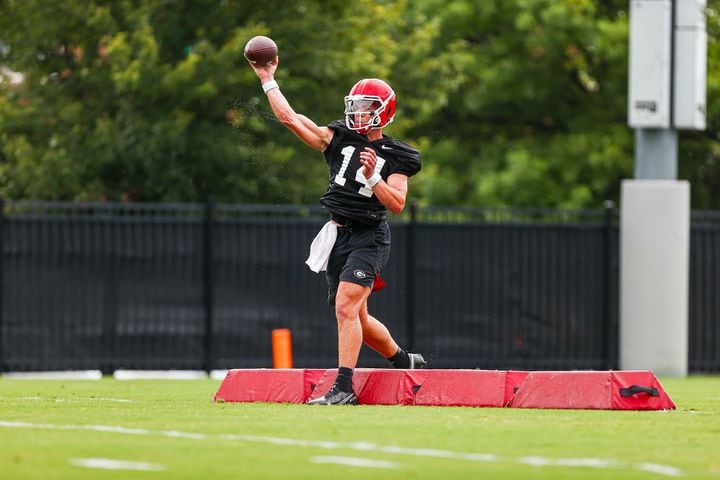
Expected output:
(520, 102)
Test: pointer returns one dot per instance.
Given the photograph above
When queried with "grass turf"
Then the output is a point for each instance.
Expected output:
(47, 426)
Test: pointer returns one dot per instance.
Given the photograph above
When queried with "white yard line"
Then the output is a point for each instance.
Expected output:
(354, 462)
(112, 464)
(661, 469)
(567, 462)
(70, 400)
(99, 399)
(665, 470)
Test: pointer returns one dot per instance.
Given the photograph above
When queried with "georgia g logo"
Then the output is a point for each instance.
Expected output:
(360, 274)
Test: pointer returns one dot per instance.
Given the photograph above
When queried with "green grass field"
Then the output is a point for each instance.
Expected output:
(58, 429)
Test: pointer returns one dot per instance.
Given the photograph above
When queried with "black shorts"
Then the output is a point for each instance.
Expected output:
(360, 252)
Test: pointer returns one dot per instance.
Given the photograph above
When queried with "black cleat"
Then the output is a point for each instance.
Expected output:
(335, 397)
(416, 361)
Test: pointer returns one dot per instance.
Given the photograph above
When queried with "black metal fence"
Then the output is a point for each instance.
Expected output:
(704, 292)
(148, 286)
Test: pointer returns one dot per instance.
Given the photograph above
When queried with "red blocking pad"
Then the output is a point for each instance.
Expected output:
(638, 390)
(471, 388)
(466, 388)
(284, 385)
(384, 387)
(513, 380)
(592, 390)
(608, 390)
(323, 384)
(374, 386)
(564, 390)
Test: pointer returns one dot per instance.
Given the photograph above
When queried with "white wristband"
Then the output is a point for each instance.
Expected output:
(374, 180)
(267, 86)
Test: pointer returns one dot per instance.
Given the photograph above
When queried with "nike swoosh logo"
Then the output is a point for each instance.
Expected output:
(385, 147)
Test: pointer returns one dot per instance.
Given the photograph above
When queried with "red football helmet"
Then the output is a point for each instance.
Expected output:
(369, 105)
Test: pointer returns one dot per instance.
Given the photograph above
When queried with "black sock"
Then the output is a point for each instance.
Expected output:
(401, 359)
(344, 379)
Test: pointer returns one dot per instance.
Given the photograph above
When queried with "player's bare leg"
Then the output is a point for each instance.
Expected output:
(348, 301)
(376, 335)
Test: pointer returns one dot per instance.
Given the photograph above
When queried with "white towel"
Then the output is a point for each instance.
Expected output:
(321, 247)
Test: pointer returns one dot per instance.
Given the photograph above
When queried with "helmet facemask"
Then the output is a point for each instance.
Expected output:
(363, 113)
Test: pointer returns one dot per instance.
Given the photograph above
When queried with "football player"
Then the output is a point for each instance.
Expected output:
(369, 174)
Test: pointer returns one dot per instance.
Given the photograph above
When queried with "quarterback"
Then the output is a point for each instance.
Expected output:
(369, 174)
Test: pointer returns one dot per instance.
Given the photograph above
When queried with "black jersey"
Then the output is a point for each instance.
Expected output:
(348, 194)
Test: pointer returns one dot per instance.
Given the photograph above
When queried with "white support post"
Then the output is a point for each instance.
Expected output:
(654, 264)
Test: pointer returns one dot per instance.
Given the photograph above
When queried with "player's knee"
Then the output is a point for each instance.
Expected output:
(345, 311)
(349, 300)
(347, 308)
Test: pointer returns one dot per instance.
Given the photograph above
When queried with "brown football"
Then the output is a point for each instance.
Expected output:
(261, 51)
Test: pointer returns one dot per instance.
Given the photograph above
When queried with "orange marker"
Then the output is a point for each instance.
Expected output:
(282, 348)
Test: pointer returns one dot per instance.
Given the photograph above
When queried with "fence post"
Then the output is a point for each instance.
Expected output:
(410, 277)
(609, 333)
(2, 280)
(207, 273)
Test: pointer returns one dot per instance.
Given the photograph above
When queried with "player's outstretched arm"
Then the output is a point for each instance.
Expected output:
(308, 131)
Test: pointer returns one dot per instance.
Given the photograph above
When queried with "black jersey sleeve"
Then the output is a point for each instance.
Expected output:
(408, 158)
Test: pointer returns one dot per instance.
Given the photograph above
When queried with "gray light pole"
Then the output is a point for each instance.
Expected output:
(668, 45)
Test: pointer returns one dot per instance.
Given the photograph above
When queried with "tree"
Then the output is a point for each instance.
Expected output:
(134, 101)
(520, 102)
(538, 117)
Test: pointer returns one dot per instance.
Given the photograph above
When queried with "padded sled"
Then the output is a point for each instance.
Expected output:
(622, 390)
(462, 388)
(470, 388)
(374, 386)
(613, 390)
(283, 385)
